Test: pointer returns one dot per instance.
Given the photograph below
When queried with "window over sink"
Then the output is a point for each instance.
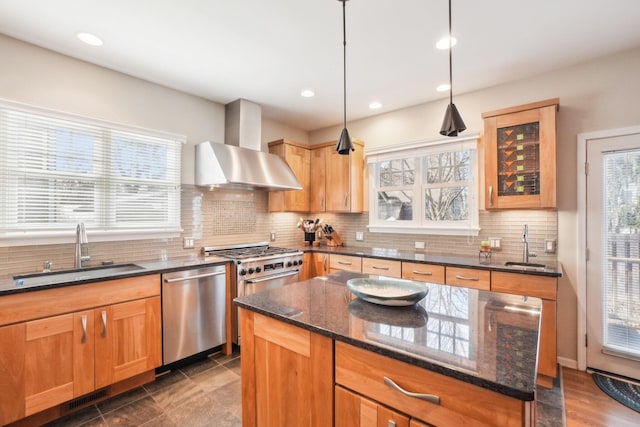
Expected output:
(59, 169)
(426, 187)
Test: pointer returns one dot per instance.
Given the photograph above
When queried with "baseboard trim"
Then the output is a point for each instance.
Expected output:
(568, 363)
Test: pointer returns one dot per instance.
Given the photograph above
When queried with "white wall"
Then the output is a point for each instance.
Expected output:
(601, 94)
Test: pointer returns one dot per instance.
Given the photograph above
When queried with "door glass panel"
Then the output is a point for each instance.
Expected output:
(519, 160)
(621, 250)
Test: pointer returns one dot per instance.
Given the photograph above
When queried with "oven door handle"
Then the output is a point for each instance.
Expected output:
(275, 276)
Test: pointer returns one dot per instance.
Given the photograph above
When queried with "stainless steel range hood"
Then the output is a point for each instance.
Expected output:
(239, 164)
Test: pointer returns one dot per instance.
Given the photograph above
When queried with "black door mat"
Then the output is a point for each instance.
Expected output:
(624, 392)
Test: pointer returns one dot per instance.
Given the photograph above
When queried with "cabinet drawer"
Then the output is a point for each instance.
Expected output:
(468, 277)
(365, 372)
(423, 272)
(345, 263)
(524, 284)
(384, 267)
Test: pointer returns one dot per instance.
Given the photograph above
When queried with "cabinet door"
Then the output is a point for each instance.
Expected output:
(423, 272)
(338, 182)
(287, 374)
(127, 340)
(320, 264)
(12, 348)
(345, 263)
(520, 157)
(58, 360)
(298, 159)
(353, 410)
(317, 197)
(468, 278)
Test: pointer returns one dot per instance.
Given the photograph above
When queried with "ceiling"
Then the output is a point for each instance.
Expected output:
(267, 51)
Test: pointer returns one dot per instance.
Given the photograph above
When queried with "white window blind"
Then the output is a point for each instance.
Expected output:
(57, 170)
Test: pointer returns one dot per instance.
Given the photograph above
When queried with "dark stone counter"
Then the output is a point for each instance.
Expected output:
(485, 338)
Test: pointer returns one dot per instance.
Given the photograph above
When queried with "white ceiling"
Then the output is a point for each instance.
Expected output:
(267, 51)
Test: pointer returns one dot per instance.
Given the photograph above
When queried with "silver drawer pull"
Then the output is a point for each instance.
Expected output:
(423, 273)
(475, 279)
(83, 319)
(391, 423)
(379, 268)
(344, 263)
(428, 397)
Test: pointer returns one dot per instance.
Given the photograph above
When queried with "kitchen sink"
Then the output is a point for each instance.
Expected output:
(525, 265)
(64, 276)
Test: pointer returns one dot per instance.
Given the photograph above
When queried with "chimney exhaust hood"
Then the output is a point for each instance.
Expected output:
(239, 164)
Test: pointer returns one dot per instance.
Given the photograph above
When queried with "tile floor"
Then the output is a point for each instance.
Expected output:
(204, 393)
(207, 393)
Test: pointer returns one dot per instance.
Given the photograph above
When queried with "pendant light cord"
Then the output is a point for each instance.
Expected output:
(344, 62)
(450, 60)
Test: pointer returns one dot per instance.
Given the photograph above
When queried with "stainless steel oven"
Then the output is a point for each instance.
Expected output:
(258, 267)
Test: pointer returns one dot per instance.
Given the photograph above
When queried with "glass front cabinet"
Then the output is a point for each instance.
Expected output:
(520, 156)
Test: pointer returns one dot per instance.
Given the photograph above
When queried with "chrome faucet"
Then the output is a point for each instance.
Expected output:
(525, 250)
(81, 239)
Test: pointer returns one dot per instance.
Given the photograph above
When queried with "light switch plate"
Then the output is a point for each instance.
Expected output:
(419, 245)
(273, 236)
(359, 235)
(188, 243)
(550, 246)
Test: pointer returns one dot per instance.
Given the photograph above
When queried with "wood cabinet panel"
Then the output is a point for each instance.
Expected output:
(524, 284)
(384, 267)
(423, 272)
(12, 348)
(127, 340)
(364, 372)
(468, 277)
(317, 198)
(320, 264)
(345, 263)
(353, 410)
(25, 306)
(280, 385)
(298, 157)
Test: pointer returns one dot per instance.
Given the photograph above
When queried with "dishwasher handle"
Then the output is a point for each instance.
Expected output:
(274, 276)
(195, 276)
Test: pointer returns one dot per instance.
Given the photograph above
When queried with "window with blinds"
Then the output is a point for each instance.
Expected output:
(57, 170)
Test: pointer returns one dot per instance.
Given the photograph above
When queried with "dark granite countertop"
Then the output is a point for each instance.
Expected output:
(485, 338)
(552, 269)
(38, 282)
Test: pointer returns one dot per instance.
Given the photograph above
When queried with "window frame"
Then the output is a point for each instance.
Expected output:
(417, 150)
(110, 133)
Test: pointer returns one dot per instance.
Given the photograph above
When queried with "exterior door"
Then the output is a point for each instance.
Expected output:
(613, 254)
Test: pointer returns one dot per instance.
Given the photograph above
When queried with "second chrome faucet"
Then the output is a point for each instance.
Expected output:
(81, 254)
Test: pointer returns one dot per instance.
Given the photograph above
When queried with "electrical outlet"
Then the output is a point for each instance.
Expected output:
(550, 246)
(273, 236)
(188, 243)
(359, 235)
(419, 245)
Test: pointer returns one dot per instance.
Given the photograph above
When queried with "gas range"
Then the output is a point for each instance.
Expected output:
(257, 267)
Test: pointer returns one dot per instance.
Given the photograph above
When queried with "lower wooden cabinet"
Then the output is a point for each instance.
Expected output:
(383, 267)
(345, 263)
(423, 272)
(353, 410)
(61, 354)
(287, 374)
(468, 278)
(320, 264)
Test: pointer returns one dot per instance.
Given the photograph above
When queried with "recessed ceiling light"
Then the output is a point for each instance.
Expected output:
(443, 43)
(90, 39)
(307, 93)
(375, 105)
(443, 87)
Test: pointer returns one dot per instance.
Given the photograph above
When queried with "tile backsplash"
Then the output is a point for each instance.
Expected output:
(223, 217)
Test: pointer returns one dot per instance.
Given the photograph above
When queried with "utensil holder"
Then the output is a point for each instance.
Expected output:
(333, 239)
(310, 238)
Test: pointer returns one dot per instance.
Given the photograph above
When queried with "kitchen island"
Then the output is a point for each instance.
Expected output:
(314, 355)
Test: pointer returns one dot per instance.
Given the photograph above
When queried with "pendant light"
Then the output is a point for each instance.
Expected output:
(452, 123)
(344, 143)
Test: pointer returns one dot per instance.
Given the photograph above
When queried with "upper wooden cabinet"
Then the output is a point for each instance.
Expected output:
(336, 180)
(520, 156)
(298, 157)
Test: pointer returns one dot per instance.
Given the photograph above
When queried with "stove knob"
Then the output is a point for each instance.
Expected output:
(295, 262)
(251, 271)
(299, 262)
(258, 269)
(243, 272)
(289, 264)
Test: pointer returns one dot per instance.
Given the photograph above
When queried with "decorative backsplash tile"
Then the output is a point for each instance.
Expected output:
(223, 217)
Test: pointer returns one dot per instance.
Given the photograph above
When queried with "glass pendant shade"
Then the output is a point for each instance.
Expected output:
(452, 123)
(344, 143)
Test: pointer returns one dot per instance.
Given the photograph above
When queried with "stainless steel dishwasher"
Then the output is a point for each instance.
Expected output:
(193, 311)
